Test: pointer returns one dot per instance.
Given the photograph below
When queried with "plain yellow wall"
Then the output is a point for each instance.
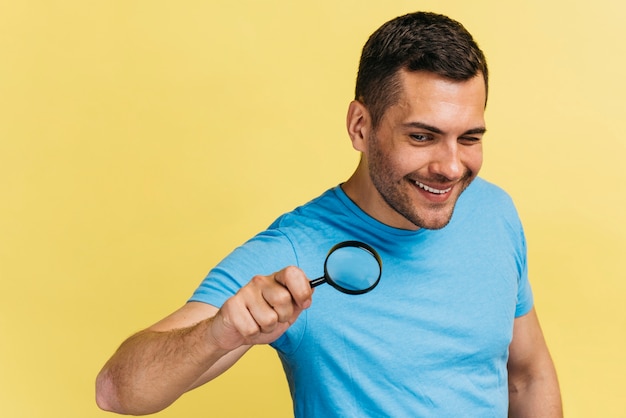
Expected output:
(140, 141)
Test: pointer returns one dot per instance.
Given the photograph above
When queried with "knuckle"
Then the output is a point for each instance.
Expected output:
(291, 271)
(258, 280)
(268, 321)
(249, 330)
(282, 298)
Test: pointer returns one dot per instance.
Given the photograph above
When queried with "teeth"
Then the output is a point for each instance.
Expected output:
(431, 190)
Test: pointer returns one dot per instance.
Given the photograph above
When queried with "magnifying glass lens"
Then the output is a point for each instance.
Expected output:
(352, 267)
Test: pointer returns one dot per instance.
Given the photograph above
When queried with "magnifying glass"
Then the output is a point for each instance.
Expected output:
(351, 267)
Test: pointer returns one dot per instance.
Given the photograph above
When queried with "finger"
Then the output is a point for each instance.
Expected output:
(281, 300)
(298, 285)
(238, 317)
(262, 311)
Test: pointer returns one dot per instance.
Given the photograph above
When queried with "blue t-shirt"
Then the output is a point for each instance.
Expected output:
(431, 340)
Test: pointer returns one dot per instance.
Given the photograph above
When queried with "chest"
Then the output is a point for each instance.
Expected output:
(435, 305)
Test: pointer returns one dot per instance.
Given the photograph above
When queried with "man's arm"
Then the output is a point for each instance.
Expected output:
(196, 343)
(533, 385)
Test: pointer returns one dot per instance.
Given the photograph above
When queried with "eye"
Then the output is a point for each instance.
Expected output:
(420, 137)
(470, 140)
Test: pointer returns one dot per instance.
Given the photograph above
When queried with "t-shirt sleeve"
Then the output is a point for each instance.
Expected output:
(266, 253)
(525, 298)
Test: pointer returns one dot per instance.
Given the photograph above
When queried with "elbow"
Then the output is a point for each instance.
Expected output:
(106, 395)
(104, 403)
(108, 399)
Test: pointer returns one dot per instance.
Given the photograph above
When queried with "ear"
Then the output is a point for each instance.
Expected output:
(358, 123)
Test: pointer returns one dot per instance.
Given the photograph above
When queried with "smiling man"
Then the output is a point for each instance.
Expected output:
(424, 152)
(449, 331)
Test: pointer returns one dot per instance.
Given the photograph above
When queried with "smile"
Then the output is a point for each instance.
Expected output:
(431, 189)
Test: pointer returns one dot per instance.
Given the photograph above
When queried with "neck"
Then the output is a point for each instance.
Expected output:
(356, 187)
(360, 189)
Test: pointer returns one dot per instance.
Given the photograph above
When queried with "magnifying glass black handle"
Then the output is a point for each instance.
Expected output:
(318, 281)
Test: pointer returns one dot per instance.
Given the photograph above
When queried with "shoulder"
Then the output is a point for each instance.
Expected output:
(485, 190)
(487, 207)
(488, 199)
(291, 234)
(326, 205)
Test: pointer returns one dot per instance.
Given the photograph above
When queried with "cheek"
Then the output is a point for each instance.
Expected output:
(474, 158)
(392, 165)
(392, 162)
(408, 163)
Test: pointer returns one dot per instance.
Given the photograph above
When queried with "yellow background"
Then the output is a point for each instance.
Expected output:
(140, 141)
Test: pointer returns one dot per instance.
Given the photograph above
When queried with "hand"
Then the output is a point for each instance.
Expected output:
(262, 310)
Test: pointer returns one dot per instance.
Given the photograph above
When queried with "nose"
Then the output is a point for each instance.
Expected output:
(447, 162)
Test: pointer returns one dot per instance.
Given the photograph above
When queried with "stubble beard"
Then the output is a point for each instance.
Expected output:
(396, 192)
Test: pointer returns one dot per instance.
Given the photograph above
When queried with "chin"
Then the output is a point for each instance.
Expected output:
(431, 224)
(437, 221)
(436, 225)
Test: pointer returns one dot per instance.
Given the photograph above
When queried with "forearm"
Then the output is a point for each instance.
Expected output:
(152, 369)
(536, 397)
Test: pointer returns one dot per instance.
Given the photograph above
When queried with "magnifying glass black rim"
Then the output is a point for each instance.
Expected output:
(363, 246)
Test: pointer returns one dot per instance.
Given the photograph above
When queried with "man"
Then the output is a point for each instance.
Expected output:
(449, 331)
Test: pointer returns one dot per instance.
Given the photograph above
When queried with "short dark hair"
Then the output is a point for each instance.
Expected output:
(420, 41)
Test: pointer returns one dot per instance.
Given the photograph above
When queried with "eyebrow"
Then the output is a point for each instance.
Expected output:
(434, 129)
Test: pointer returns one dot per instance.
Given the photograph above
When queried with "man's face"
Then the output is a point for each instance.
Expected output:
(426, 150)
